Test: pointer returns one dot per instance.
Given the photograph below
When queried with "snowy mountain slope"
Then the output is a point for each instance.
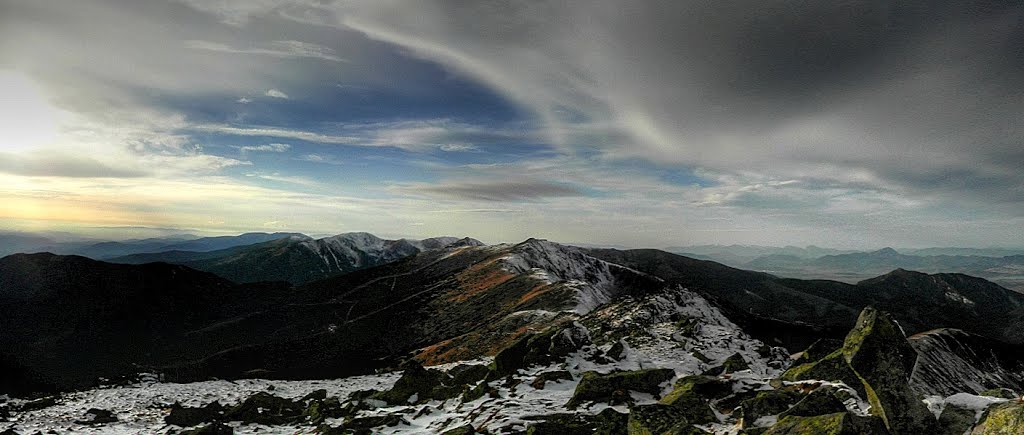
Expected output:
(649, 324)
(299, 259)
(952, 361)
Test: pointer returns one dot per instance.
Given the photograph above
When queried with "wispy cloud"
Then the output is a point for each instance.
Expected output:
(284, 49)
(274, 93)
(527, 190)
(272, 147)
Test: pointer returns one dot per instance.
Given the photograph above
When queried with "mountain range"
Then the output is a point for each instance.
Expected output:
(584, 315)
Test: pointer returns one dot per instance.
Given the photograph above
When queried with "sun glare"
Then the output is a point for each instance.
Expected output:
(27, 119)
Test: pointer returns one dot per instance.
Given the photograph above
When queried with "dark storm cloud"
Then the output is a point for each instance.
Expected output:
(915, 97)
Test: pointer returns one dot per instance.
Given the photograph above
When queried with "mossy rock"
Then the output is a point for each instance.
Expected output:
(765, 403)
(607, 422)
(833, 367)
(818, 350)
(659, 419)
(955, 420)
(552, 376)
(319, 410)
(821, 401)
(186, 416)
(734, 363)
(369, 423)
(1002, 393)
(596, 387)
(840, 423)
(265, 408)
(8, 431)
(1004, 418)
(210, 429)
(881, 355)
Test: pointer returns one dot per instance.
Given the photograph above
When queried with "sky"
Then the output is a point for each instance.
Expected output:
(852, 124)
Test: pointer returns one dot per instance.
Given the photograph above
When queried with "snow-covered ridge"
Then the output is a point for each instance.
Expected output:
(593, 279)
(359, 249)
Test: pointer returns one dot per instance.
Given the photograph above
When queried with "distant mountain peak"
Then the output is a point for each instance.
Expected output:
(887, 251)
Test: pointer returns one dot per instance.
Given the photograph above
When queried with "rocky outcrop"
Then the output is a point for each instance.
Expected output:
(877, 360)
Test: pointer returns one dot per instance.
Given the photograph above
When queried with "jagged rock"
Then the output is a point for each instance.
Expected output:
(552, 376)
(840, 423)
(265, 408)
(1003, 393)
(879, 352)
(210, 429)
(821, 401)
(765, 403)
(186, 416)
(657, 419)
(362, 394)
(461, 430)
(97, 416)
(732, 364)
(9, 431)
(955, 420)
(876, 359)
(418, 385)
(607, 422)
(1002, 419)
(594, 386)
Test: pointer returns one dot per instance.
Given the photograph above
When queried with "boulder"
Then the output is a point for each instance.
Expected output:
(767, 403)
(658, 419)
(607, 422)
(595, 387)
(840, 423)
(97, 416)
(418, 385)
(732, 364)
(1004, 418)
(185, 416)
(265, 408)
(552, 376)
(821, 401)
(210, 429)
(955, 420)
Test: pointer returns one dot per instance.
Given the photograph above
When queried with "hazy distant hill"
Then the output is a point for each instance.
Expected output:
(298, 259)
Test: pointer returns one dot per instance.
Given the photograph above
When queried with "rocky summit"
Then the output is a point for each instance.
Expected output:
(462, 338)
